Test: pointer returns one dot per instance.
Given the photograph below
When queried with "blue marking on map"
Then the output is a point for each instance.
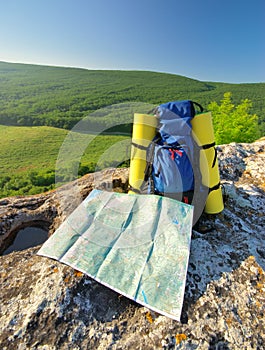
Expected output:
(145, 298)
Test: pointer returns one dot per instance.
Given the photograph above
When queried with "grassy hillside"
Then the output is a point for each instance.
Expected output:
(55, 96)
(29, 157)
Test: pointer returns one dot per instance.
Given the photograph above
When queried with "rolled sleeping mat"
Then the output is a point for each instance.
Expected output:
(144, 130)
(203, 133)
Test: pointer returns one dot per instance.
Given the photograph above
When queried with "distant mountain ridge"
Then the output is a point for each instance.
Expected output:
(60, 97)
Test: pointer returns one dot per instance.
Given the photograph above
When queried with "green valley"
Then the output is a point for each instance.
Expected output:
(40, 104)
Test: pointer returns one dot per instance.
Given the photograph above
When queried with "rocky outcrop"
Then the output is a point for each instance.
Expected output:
(47, 305)
(48, 210)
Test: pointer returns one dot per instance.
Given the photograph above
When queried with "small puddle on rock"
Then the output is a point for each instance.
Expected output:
(27, 238)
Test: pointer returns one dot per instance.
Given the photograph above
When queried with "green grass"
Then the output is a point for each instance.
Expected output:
(30, 155)
(29, 148)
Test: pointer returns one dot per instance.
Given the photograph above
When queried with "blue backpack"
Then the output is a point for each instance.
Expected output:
(172, 167)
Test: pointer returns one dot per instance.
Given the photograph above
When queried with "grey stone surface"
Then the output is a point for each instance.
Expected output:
(47, 305)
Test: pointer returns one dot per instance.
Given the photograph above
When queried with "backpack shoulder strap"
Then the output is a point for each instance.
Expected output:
(198, 105)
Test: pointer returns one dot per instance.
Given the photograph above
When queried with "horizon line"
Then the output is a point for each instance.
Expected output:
(124, 70)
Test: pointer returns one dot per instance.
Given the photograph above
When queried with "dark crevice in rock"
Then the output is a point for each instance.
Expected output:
(11, 238)
(20, 239)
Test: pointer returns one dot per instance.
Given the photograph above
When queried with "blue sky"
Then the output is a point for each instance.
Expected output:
(209, 40)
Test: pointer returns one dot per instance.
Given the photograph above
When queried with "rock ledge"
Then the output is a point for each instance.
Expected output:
(47, 305)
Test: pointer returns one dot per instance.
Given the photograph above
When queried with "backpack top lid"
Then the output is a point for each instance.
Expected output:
(175, 120)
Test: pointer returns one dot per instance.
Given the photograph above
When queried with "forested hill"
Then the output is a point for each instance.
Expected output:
(57, 96)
